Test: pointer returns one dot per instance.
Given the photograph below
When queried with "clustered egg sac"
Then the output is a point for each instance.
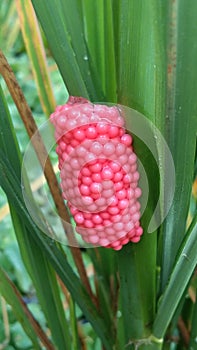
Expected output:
(98, 171)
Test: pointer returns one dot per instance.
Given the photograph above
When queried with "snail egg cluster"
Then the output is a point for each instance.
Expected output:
(98, 171)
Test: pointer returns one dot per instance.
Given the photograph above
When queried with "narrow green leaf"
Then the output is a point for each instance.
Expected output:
(73, 321)
(180, 121)
(35, 49)
(106, 284)
(100, 41)
(178, 281)
(81, 50)
(193, 336)
(109, 53)
(94, 34)
(141, 77)
(137, 287)
(44, 279)
(58, 28)
(10, 148)
(30, 325)
(140, 62)
(10, 27)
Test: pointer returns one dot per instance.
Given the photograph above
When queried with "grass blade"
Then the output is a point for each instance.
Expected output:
(30, 325)
(109, 53)
(35, 49)
(140, 86)
(56, 28)
(182, 272)
(80, 48)
(95, 38)
(193, 335)
(181, 122)
(100, 40)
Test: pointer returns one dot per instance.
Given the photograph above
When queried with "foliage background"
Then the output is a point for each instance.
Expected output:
(159, 41)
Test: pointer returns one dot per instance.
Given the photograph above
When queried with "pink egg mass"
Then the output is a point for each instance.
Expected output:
(98, 171)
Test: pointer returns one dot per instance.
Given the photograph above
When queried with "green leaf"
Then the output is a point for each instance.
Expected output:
(181, 274)
(31, 327)
(68, 46)
(193, 336)
(100, 40)
(137, 287)
(35, 49)
(141, 77)
(180, 121)
(141, 57)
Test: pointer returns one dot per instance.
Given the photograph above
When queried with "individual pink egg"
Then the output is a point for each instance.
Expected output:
(97, 219)
(126, 139)
(93, 239)
(71, 124)
(96, 177)
(135, 239)
(138, 192)
(125, 241)
(118, 186)
(102, 128)
(74, 163)
(85, 171)
(81, 151)
(95, 168)
(136, 176)
(101, 203)
(104, 242)
(139, 231)
(122, 204)
(123, 159)
(132, 158)
(105, 215)
(120, 234)
(108, 223)
(88, 223)
(107, 184)
(84, 190)
(119, 226)
(113, 210)
(95, 187)
(115, 167)
(86, 180)
(91, 132)
(107, 173)
(118, 176)
(113, 131)
(62, 122)
(116, 218)
(87, 201)
(120, 149)
(122, 194)
(79, 135)
(79, 218)
(108, 149)
(113, 201)
(96, 148)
